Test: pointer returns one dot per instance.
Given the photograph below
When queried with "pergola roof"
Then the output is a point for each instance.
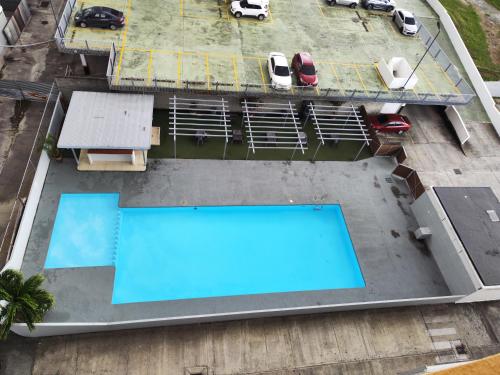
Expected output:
(338, 123)
(199, 118)
(97, 120)
(273, 125)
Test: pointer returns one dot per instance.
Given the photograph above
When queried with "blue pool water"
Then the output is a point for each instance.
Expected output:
(198, 252)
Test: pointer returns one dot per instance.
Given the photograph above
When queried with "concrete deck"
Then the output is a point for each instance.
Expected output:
(170, 42)
(393, 263)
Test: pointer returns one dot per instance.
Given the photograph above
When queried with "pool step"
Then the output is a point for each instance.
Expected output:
(116, 234)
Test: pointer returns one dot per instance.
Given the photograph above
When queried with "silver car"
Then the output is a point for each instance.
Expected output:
(350, 3)
(387, 5)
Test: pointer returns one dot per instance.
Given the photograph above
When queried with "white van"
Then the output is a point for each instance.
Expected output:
(251, 8)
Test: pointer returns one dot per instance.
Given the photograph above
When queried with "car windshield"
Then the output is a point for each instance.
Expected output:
(88, 12)
(410, 21)
(382, 118)
(281, 71)
(308, 70)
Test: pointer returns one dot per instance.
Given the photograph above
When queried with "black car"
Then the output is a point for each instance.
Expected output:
(100, 17)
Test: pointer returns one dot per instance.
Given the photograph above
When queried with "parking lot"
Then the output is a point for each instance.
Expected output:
(199, 44)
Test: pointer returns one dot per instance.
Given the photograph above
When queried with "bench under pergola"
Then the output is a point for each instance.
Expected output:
(199, 119)
(338, 123)
(272, 125)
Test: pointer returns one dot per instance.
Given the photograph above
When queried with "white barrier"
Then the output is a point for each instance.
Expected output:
(494, 87)
(24, 231)
(469, 65)
(458, 124)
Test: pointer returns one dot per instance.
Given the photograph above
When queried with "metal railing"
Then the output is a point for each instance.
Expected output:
(9, 233)
(25, 90)
(442, 59)
(157, 84)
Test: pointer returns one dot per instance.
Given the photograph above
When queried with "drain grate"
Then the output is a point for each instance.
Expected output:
(457, 171)
(44, 4)
(389, 180)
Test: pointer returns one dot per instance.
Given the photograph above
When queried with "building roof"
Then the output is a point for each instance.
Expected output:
(108, 121)
(472, 212)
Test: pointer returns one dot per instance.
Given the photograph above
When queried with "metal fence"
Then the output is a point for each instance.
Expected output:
(9, 233)
(157, 84)
(444, 61)
(25, 90)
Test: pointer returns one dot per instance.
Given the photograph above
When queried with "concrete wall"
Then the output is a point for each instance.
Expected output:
(3, 40)
(53, 329)
(447, 249)
(24, 230)
(494, 87)
(469, 65)
(488, 293)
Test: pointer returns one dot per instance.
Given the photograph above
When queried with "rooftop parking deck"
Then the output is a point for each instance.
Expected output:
(199, 45)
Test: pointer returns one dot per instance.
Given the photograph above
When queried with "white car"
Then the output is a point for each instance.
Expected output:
(350, 3)
(251, 8)
(405, 21)
(279, 72)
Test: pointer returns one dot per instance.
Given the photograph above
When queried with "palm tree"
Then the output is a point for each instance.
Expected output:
(22, 301)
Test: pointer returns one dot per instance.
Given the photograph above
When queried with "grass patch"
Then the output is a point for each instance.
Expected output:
(469, 26)
(214, 148)
(495, 3)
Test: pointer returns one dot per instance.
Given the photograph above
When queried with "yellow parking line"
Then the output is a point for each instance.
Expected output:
(81, 30)
(207, 71)
(262, 76)
(449, 79)
(361, 79)
(179, 68)
(429, 83)
(181, 8)
(235, 73)
(320, 8)
(416, 94)
(380, 77)
(124, 41)
(334, 70)
(150, 65)
(317, 91)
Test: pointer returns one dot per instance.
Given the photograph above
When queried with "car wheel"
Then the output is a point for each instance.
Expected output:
(394, 17)
(389, 9)
(332, 2)
(83, 24)
(353, 6)
(238, 14)
(401, 132)
(112, 27)
(261, 17)
(401, 30)
(370, 6)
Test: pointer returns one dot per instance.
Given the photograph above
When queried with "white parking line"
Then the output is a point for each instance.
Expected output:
(442, 331)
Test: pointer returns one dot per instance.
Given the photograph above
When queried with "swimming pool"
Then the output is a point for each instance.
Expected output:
(171, 253)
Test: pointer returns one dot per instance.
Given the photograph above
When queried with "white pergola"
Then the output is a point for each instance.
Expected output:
(203, 118)
(272, 125)
(338, 123)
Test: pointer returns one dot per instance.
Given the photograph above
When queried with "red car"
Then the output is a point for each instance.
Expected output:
(303, 67)
(390, 123)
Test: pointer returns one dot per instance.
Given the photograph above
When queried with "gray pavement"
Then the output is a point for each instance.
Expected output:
(393, 263)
